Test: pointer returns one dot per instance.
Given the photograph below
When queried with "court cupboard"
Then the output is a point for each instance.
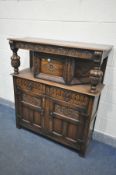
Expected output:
(59, 94)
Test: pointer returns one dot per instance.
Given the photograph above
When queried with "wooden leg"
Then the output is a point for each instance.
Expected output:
(82, 151)
(93, 127)
(18, 123)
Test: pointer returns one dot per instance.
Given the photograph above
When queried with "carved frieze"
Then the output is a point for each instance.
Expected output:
(73, 52)
(68, 96)
(69, 112)
(30, 85)
(57, 93)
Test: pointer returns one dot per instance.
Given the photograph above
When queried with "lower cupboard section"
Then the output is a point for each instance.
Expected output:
(65, 121)
(66, 142)
(52, 118)
(58, 120)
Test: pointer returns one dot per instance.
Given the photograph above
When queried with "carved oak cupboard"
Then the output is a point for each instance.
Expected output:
(58, 95)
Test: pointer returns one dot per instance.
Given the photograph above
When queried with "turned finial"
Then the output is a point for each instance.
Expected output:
(95, 78)
(15, 59)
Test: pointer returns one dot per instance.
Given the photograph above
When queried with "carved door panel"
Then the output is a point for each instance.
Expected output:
(30, 109)
(66, 122)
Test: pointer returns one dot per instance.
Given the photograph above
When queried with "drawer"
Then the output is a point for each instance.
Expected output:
(30, 86)
(52, 66)
(71, 97)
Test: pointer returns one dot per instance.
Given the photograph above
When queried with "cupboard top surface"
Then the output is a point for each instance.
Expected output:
(68, 44)
(84, 89)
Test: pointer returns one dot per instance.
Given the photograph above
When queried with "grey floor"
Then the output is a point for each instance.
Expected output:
(24, 153)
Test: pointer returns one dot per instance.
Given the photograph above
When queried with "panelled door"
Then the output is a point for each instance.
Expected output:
(30, 109)
(66, 122)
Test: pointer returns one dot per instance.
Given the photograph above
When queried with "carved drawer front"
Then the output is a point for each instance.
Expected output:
(48, 67)
(66, 122)
(68, 96)
(31, 109)
(30, 86)
(52, 66)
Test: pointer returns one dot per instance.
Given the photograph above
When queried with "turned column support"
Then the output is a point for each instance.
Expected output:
(95, 78)
(97, 58)
(96, 74)
(15, 59)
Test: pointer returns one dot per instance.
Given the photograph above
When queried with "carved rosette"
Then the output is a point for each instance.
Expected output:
(95, 77)
(15, 59)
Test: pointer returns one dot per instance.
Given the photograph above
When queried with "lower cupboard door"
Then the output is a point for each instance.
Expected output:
(31, 110)
(66, 123)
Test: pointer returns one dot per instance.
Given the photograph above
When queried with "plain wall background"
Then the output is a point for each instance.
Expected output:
(75, 20)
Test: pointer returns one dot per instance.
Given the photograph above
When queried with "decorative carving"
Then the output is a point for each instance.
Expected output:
(17, 90)
(95, 77)
(51, 67)
(32, 100)
(73, 52)
(97, 57)
(66, 111)
(79, 99)
(56, 92)
(68, 96)
(32, 86)
(15, 59)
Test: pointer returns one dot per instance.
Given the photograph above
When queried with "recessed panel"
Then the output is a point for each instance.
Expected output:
(37, 118)
(72, 131)
(31, 99)
(57, 125)
(66, 111)
(25, 113)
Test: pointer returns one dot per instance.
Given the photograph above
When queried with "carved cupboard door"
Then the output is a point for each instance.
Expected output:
(66, 122)
(30, 109)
